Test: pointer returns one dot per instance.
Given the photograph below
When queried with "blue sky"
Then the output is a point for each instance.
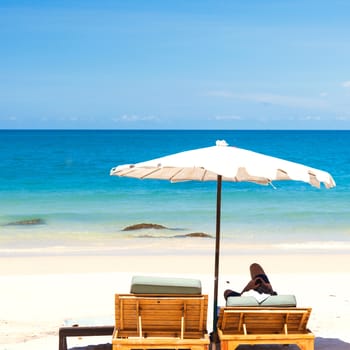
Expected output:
(181, 64)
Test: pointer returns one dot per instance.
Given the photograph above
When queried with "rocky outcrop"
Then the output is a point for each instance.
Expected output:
(161, 227)
(36, 221)
(196, 234)
(143, 226)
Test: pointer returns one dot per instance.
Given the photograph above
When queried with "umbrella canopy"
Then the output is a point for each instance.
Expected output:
(232, 163)
(223, 163)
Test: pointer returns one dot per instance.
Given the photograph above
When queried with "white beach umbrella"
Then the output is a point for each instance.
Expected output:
(223, 163)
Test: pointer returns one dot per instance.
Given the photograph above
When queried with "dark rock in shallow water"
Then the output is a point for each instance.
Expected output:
(143, 226)
(196, 234)
(27, 222)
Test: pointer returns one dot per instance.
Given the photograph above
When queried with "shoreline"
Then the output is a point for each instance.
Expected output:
(302, 263)
(185, 246)
(39, 294)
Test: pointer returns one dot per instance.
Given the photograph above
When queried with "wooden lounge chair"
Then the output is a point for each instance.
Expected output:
(147, 321)
(264, 325)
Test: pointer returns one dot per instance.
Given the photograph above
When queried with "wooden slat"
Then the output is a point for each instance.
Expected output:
(260, 325)
(263, 320)
(161, 315)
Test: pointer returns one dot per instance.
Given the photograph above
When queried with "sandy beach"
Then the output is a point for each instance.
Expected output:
(40, 294)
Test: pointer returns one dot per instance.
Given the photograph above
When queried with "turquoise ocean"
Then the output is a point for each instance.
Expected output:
(57, 197)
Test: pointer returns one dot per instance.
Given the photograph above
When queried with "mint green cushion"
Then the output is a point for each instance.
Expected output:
(164, 285)
(242, 301)
(280, 300)
(272, 300)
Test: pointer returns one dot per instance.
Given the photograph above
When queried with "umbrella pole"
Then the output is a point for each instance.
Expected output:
(217, 256)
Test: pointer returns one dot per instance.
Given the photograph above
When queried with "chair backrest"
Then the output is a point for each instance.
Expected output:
(181, 316)
(263, 320)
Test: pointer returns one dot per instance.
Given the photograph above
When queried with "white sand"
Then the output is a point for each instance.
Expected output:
(40, 294)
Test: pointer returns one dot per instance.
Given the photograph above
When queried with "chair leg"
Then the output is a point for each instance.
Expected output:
(307, 344)
(229, 345)
(62, 342)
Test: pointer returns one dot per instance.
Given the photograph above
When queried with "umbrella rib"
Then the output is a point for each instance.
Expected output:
(204, 174)
(174, 175)
(150, 173)
(313, 180)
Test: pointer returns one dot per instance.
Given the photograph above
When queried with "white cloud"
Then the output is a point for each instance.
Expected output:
(346, 84)
(220, 93)
(134, 118)
(343, 118)
(9, 118)
(228, 117)
(272, 99)
(311, 117)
